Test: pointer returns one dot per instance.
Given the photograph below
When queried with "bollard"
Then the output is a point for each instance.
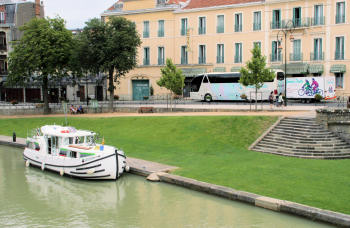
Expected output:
(14, 137)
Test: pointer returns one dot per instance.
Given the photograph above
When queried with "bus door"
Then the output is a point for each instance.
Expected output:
(205, 86)
(280, 82)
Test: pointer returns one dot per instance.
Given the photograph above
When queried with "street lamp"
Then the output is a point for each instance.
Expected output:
(288, 27)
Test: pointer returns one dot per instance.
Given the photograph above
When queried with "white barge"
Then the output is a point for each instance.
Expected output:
(73, 152)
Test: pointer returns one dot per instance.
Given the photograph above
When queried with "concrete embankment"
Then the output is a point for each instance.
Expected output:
(159, 173)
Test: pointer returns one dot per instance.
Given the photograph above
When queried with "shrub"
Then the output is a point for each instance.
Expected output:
(243, 96)
(14, 102)
(318, 97)
(116, 97)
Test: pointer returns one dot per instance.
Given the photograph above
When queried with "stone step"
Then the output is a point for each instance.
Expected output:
(306, 139)
(307, 145)
(301, 126)
(309, 153)
(307, 156)
(303, 150)
(302, 134)
(303, 130)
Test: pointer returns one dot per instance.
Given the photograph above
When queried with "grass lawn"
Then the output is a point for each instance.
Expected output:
(214, 149)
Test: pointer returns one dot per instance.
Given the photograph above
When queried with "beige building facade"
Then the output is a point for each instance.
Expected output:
(217, 36)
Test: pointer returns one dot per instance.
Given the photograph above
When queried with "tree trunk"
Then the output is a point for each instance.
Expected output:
(111, 89)
(256, 98)
(45, 95)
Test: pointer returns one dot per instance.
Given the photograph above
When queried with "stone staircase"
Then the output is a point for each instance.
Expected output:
(303, 138)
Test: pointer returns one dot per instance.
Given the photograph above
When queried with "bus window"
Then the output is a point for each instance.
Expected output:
(196, 83)
(280, 76)
(224, 78)
(205, 80)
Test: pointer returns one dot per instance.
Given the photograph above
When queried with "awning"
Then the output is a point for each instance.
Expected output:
(297, 68)
(219, 69)
(193, 71)
(338, 68)
(236, 69)
(316, 69)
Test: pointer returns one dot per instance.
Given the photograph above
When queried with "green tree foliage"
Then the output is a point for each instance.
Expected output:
(42, 55)
(172, 78)
(256, 73)
(109, 47)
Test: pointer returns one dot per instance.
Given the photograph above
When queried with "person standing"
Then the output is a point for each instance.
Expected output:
(271, 100)
(280, 100)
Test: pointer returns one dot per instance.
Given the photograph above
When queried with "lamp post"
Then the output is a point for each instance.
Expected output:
(288, 27)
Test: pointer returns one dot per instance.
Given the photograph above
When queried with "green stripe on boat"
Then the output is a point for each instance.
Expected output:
(87, 153)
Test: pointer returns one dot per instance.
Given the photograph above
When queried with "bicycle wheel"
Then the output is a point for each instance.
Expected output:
(301, 92)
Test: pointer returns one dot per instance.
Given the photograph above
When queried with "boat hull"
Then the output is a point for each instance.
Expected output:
(108, 166)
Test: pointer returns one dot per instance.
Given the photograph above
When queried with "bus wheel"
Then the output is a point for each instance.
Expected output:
(208, 97)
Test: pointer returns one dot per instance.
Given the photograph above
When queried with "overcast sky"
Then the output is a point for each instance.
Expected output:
(76, 12)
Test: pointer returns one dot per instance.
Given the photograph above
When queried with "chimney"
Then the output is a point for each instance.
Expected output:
(37, 8)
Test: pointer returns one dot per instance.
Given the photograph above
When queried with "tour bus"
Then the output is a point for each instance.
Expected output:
(225, 86)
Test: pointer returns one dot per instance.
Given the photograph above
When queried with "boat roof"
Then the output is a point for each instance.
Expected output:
(62, 131)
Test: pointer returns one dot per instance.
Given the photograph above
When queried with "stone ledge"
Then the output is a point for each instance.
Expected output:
(268, 203)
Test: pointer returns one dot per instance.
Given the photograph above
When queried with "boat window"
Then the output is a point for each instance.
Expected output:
(83, 155)
(63, 152)
(79, 140)
(90, 140)
(70, 140)
(36, 146)
(73, 154)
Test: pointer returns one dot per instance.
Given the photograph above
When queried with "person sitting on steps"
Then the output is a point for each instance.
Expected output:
(80, 110)
(73, 110)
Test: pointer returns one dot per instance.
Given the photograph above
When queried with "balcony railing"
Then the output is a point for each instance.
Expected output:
(220, 29)
(3, 48)
(146, 62)
(201, 30)
(3, 72)
(314, 56)
(238, 59)
(276, 25)
(339, 55)
(296, 23)
(315, 21)
(256, 26)
(339, 19)
(220, 59)
(296, 56)
(238, 28)
(276, 57)
(145, 34)
(201, 60)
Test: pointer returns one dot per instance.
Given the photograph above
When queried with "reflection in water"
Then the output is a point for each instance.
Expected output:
(32, 198)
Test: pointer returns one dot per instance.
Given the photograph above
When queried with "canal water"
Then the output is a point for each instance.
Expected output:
(32, 198)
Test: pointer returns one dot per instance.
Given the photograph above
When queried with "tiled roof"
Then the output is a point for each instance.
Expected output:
(210, 3)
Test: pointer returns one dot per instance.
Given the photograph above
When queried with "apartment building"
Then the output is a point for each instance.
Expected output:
(308, 38)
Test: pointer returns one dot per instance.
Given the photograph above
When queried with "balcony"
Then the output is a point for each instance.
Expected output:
(201, 60)
(3, 47)
(220, 59)
(201, 30)
(315, 21)
(276, 57)
(339, 19)
(298, 22)
(145, 34)
(238, 28)
(339, 55)
(238, 59)
(276, 25)
(3, 72)
(317, 56)
(256, 26)
(296, 57)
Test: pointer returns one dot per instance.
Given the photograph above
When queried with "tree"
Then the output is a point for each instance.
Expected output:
(110, 47)
(172, 78)
(42, 55)
(256, 73)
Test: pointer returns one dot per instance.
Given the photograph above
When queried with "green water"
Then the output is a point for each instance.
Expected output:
(32, 198)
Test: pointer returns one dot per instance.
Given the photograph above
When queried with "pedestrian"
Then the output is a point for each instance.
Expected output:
(271, 100)
(280, 100)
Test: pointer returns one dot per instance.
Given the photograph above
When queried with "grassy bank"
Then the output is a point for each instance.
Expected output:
(214, 149)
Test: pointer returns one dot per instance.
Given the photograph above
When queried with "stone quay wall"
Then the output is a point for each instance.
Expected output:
(335, 120)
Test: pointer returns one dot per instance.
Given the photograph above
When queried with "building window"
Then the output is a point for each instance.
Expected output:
(3, 45)
(317, 54)
(202, 55)
(184, 55)
(238, 22)
(2, 17)
(146, 56)
(202, 25)
(318, 15)
(339, 79)
(257, 21)
(161, 56)
(276, 19)
(297, 17)
(238, 52)
(296, 55)
(340, 13)
(220, 54)
(220, 28)
(276, 55)
(258, 43)
(3, 65)
(183, 26)
(145, 29)
(161, 28)
(339, 48)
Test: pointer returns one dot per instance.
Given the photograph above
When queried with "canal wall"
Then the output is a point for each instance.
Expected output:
(146, 168)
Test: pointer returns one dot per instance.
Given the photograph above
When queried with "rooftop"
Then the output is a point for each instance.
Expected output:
(193, 4)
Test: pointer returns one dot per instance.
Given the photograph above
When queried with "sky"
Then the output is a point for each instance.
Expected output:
(76, 12)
